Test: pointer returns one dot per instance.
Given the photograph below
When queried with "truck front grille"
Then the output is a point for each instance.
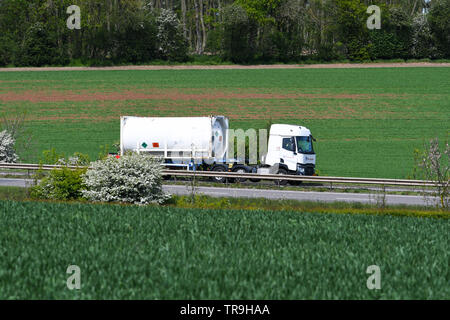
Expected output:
(309, 168)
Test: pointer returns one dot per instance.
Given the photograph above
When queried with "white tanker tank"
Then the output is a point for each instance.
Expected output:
(175, 138)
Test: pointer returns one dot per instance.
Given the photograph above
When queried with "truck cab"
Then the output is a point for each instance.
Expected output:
(290, 148)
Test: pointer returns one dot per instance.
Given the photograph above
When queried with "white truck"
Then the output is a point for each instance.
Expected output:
(202, 143)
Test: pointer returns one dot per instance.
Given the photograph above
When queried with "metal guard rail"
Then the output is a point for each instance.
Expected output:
(183, 173)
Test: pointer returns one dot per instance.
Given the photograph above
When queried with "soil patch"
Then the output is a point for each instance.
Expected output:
(172, 94)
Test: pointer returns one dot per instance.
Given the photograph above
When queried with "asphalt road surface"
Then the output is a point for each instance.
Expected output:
(268, 194)
(295, 195)
(9, 182)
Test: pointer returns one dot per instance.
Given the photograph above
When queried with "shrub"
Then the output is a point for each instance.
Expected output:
(132, 178)
(7, 149)
(173, 45)
(77, 159)
(52, 157)
(60, 184)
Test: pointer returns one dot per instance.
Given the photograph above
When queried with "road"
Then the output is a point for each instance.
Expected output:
(10, 182)
(295, 195)
(268, 194)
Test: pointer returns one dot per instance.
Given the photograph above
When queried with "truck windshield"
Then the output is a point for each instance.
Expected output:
(304, 144)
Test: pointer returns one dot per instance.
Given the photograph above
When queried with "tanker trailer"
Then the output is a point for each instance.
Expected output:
(178, 140)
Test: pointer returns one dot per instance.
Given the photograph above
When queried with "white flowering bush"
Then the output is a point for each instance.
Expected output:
(7, 150)
(132, 178)
(172, 44)
(422, 44)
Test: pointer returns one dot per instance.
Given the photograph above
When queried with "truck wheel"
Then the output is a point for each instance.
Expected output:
(295, 183)
(281, 182)
(239, 170)
(219, 179)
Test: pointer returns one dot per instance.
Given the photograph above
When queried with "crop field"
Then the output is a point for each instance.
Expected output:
(367, 121)
(170, 253)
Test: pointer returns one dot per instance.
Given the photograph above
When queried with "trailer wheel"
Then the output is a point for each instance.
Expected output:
(239, 169)
(219, 169)
(281, 182)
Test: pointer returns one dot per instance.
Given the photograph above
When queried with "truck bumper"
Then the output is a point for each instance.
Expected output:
(305, 169)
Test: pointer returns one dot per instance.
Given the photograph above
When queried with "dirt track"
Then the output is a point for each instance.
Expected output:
(222, 67)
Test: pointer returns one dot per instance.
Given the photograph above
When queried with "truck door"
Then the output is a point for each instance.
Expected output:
(287, 153)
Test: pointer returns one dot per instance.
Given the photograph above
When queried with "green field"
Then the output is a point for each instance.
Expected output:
(367, 121)
(167, 253)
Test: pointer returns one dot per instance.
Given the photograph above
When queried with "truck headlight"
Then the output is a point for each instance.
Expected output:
(300, 169)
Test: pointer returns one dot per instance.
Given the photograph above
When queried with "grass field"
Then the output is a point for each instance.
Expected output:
(168, 253)
(367, 121)
(250, 204)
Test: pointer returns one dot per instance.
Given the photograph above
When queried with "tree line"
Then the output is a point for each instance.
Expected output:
(34, 32)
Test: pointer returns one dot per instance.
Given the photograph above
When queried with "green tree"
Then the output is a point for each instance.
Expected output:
(394, 39)
(351, 18)
(439, 18)
(172, 44)
(260, 10)
(38, 47)
(239, 30)
(422, 42)
(287, 34)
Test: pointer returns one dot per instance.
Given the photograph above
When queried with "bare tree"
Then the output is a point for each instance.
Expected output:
(435, 166)
(14, 124)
